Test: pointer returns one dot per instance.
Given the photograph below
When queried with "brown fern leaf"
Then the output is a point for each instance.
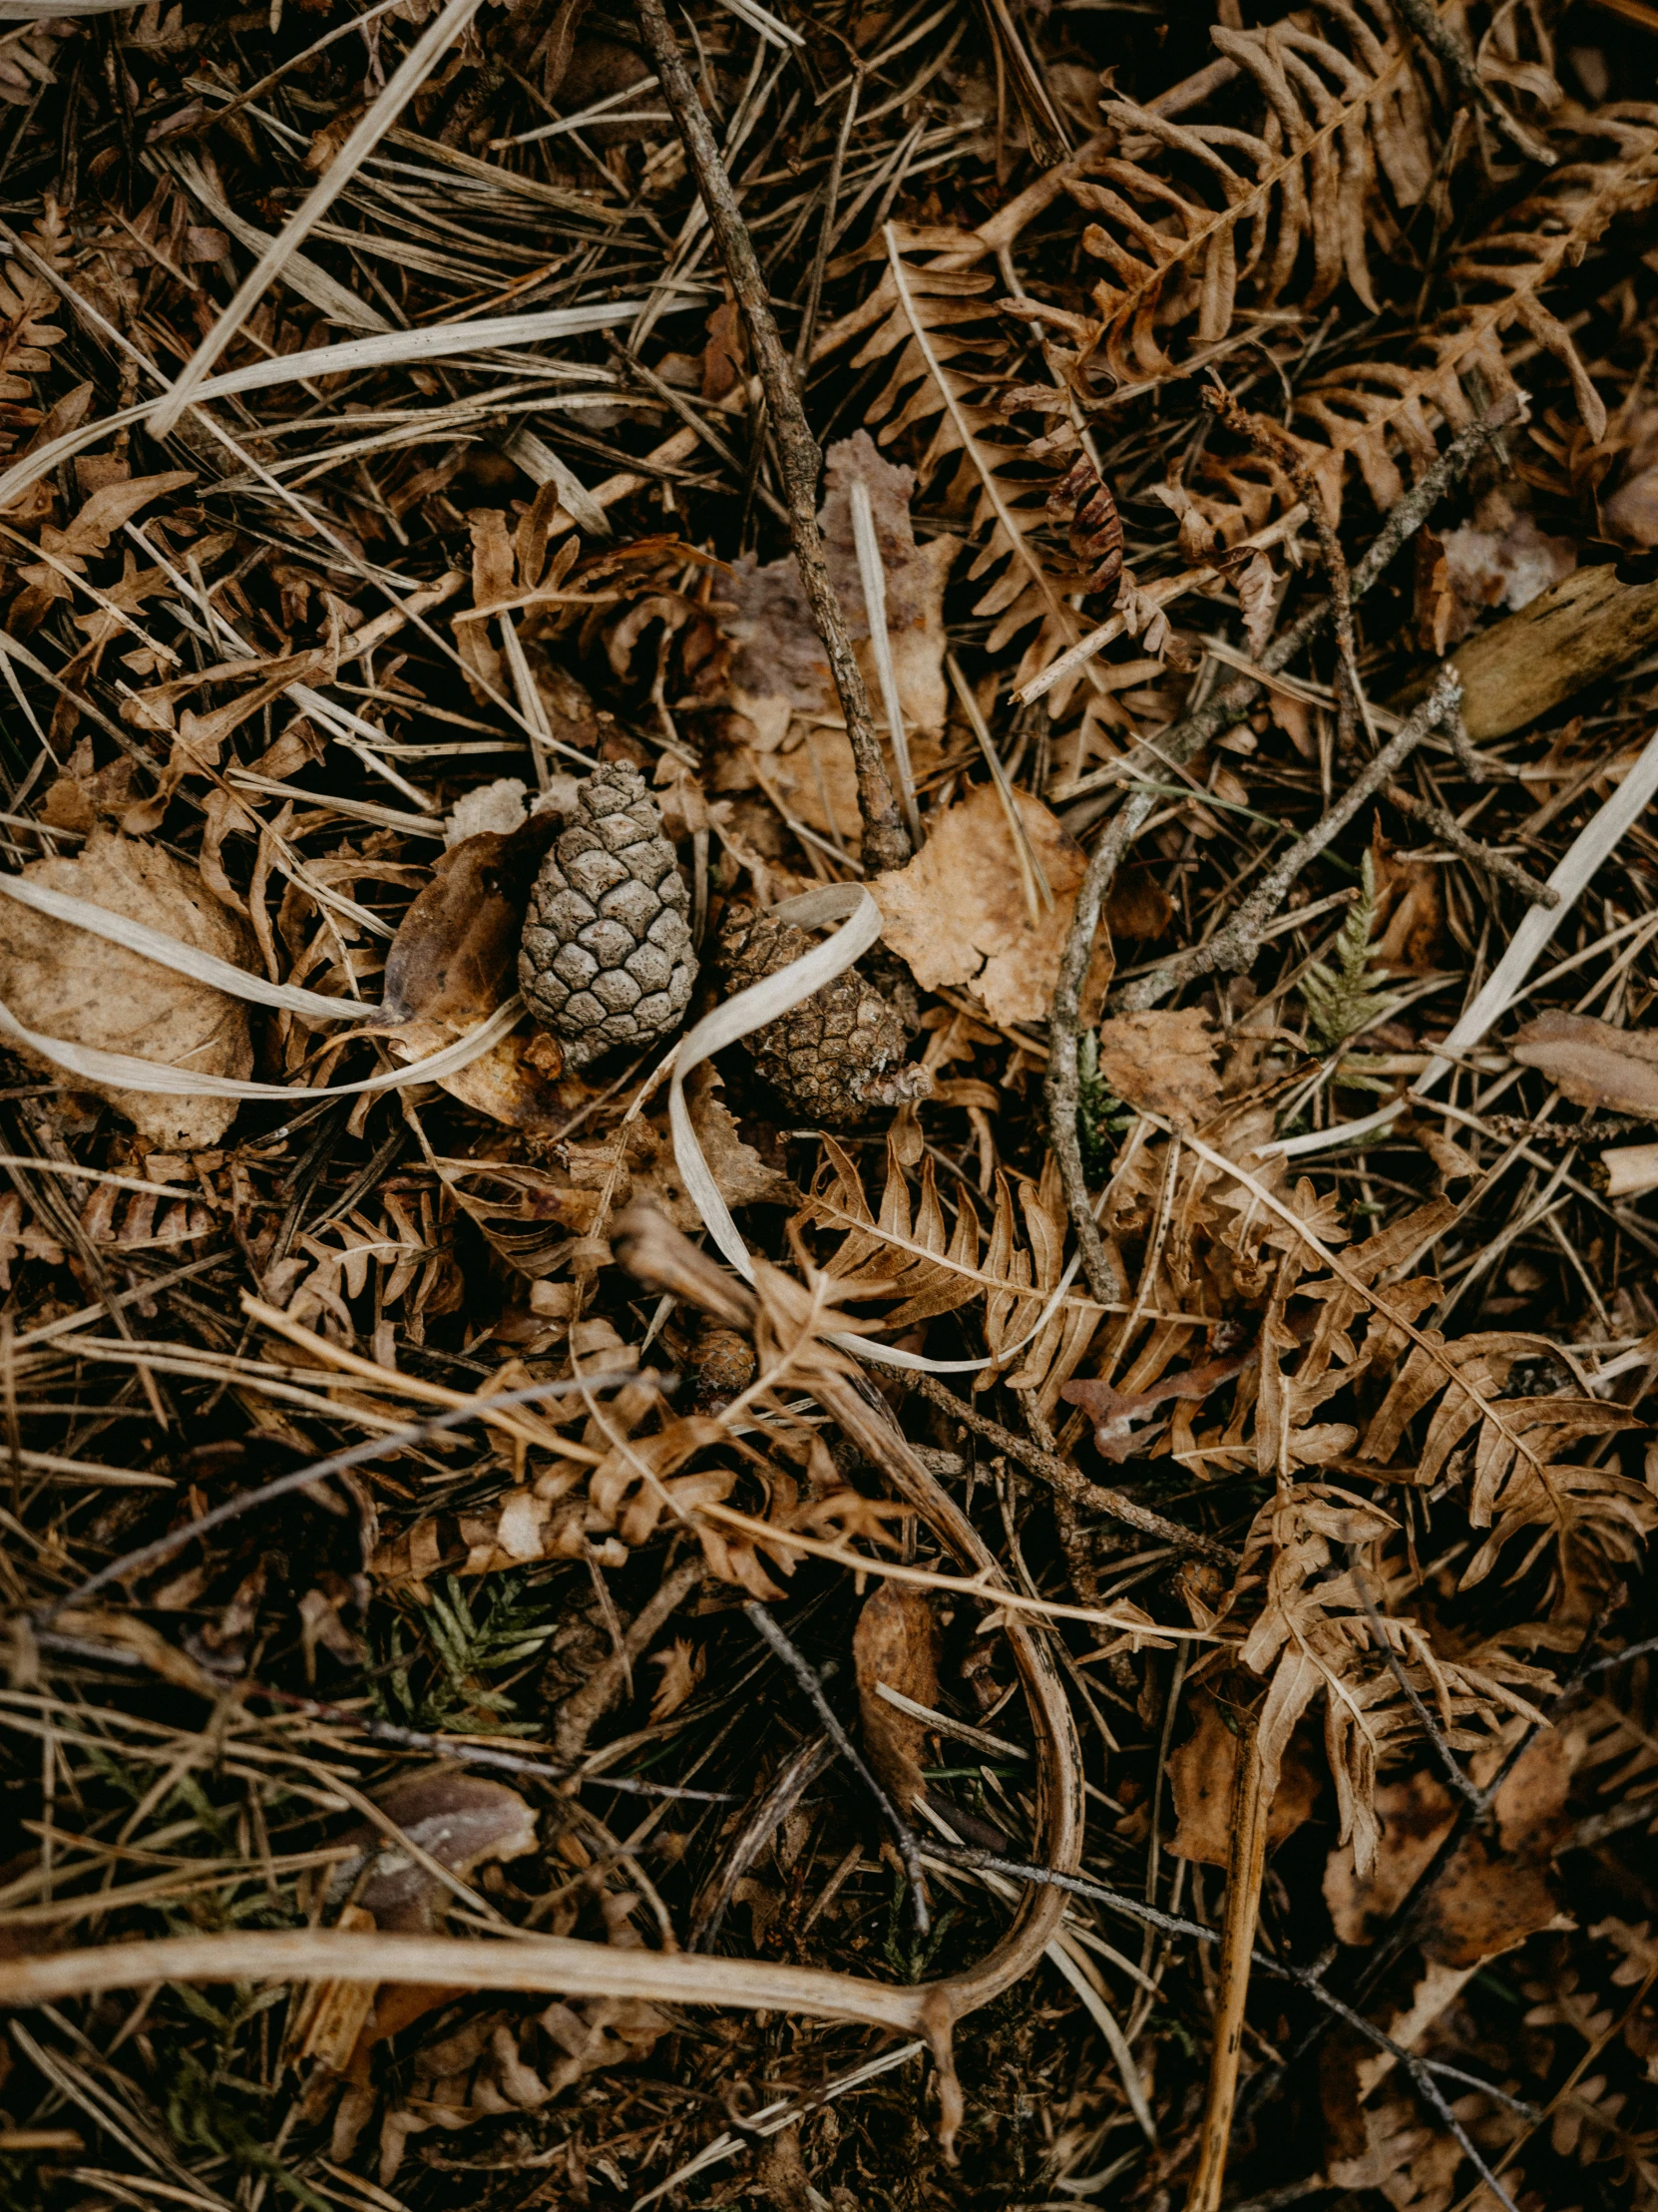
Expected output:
(1373, 411)
(1095, 528)
(1519, 1475)
(1242, 207)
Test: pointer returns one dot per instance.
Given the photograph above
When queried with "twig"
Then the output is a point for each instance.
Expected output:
(1069, 1484)
(1445, 825)
(805, 1674)
(1245, 1872)
(1234, 945)
(1441, 42)
(1177, 744)
(886, 840)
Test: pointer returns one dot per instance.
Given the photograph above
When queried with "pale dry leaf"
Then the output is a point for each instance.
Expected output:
(957, 912)
(1161, 1060)
(1257, 588)
(780, 670)
(1591, 1062)
(498, 806)
(64, 981)
(1502, 559)
(682, 1665)
(894, 1642)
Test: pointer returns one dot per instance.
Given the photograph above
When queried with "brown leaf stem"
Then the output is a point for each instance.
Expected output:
(1245, 1872)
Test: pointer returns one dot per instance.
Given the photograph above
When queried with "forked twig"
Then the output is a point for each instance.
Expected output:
(1177, 744)
(1445, 825)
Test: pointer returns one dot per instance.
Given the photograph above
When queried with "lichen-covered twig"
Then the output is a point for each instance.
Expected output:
(1235, 945)
(886, 840)
(1445, 825)
(1183, 739)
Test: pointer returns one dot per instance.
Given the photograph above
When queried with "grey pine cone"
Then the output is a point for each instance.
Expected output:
(838, 1056)
(606, 957)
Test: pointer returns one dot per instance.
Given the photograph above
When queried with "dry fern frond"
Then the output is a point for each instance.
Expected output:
(1339, 119)
(1461, 363)
(1520, 1478)
(905, 1252)
(953, 362)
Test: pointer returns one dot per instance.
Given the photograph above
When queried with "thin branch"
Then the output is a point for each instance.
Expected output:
(886, 840)
(1067, 1481)
(1447, 826)
(1234, 945)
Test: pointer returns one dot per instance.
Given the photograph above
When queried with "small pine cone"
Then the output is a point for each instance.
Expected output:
(607, 953)
(724, 1361)
(838, 1056)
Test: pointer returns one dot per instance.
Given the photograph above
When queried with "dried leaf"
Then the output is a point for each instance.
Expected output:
(1593, 1062)
(62, 981)
(460, 1820)
(780, 670)
(957, 913)
(455, 956)
(894, 1642)
(1203, 1776)
(1162, 1061)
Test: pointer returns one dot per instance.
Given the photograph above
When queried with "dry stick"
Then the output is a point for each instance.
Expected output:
(886, 840)
(1447, 826)
(1177, 744)
(1246, 1869)
(1443, 42)
(804, 1674)
(1234, 947)
(1066, 1480)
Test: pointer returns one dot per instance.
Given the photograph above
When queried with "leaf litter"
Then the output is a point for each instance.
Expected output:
(1009, 1565)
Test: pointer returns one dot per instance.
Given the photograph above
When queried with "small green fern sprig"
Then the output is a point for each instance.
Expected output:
(1100, 1114)
(464, 1646)
(1344, 999)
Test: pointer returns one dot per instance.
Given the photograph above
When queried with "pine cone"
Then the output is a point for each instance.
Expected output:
(837, 1057)
(607, 955)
